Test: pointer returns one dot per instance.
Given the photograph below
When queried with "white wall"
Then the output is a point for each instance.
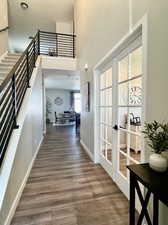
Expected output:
(23, 146)
(3, 14)
(40, 15)
(3, 24)
(100, 26)
(97, 32)
(64, 27)
(59, 63)
(52, 94)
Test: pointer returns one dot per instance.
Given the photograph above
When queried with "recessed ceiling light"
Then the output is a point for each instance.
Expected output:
(24, 5)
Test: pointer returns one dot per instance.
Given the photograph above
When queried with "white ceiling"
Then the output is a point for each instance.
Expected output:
(56, 79)
(41, 14)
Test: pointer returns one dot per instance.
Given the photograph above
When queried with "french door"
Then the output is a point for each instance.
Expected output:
(106, 120)
(121, 114)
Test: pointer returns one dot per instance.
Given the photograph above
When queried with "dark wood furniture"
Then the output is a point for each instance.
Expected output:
(63, 118)
(77, 122)
(155, 183)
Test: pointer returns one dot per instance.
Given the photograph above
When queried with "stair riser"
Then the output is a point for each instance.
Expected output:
(9, 61)
(13, 54)
(7, 64)
(4, 64)
(2, 76)
(5, 69)
(11, 58)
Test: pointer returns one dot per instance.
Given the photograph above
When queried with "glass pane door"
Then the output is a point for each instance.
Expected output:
(105, 109)
(129, 110)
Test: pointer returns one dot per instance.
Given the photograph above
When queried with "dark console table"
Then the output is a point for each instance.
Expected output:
(156, 184)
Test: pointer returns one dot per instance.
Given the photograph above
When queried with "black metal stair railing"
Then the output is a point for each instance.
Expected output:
(57, 44)
(12, 92)
(13, 88)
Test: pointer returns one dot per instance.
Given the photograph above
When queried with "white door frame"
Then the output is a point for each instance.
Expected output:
(106, 62)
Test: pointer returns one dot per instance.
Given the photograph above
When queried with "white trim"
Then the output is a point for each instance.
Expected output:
(144, 22)
(59, 57)
(140, 29)
(87, 150)
(118, 48)
(141, 25)
(107, 167)
(19, 194)
(96, 117)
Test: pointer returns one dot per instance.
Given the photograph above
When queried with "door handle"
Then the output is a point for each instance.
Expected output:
(115, 127)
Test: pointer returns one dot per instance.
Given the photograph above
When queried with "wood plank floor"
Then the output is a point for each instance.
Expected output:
(66, 188)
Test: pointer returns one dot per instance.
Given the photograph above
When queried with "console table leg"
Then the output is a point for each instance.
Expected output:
(132, 199)
(155, 210)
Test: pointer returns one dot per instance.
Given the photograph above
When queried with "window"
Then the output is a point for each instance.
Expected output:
(77, 102)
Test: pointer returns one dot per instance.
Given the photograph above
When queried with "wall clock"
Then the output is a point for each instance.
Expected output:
(135, 96)
(58, 101)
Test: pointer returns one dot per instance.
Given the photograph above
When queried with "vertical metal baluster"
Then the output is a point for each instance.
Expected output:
(34, 52)
(73, 46)
(56, 44)
(28, 71)
(38, 42)
(14, 102)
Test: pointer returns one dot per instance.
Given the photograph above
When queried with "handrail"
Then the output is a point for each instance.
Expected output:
(47, 32)
(4, 29)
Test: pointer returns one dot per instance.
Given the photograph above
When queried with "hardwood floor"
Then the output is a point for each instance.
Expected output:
(66, 188)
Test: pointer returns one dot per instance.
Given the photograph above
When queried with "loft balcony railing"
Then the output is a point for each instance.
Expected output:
(14, 86)
(57, 44)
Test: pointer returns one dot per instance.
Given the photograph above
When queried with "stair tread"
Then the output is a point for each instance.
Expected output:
(2, 76)
(13, 55)
(11, 58)
(2, 72)
(6, 63)
(4, 69)
(10, 62)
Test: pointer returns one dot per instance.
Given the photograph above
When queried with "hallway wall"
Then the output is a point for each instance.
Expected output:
(97, 32)
(3, 24)
(99, 26)
(23, 146)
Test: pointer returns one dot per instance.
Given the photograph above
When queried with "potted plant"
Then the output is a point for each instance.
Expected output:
(157, 135)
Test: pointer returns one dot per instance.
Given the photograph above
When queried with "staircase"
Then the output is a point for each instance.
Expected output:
(15, 74)
(7, 63)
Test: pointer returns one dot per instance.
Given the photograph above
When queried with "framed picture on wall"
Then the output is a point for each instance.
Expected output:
(86, 96)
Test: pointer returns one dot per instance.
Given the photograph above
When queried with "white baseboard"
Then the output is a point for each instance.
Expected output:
(19, 194)
(87, 150)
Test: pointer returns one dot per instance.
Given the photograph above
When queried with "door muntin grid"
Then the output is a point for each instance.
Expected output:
(129, 110)
(106, 115)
